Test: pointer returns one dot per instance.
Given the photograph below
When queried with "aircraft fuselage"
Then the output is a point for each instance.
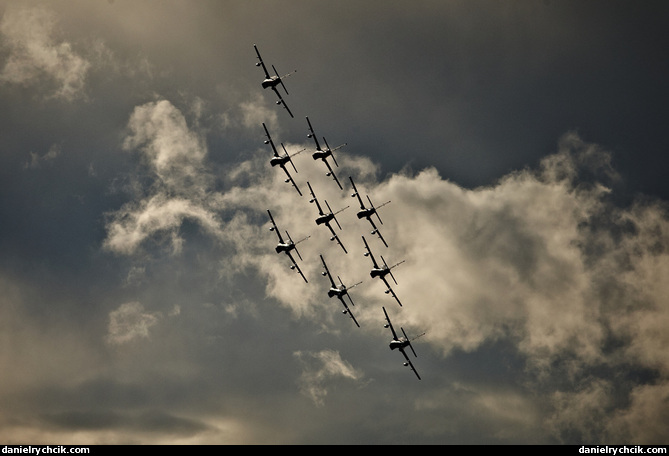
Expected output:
(279, 160)
(398, 344)
(324, 219)
(336, 292)
(284, 248)
(365, 213)
(321, 154)
(379, 272)
(270, 82)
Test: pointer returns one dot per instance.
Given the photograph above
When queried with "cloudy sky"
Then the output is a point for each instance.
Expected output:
(523, 148)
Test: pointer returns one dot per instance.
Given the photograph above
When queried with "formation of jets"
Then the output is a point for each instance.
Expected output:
(326, 216)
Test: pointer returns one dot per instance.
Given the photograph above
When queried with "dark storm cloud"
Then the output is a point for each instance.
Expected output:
(145, 422)
(142, 300)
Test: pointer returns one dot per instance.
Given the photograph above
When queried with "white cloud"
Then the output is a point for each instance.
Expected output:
(321, 369)
(528, 260)
(36, 55)
(254, 112)
(158, 215)
(531, 260)
(174, 155)
(129, 322)
(174, 152)
(505, 261)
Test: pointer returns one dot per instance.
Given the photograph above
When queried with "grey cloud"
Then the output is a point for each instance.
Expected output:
(582, 414)
(320, 369)
(36, 160)
(130, 321)
(645, 419)
(536, 272)
(117, 424)
(35, 54)
(503, 262)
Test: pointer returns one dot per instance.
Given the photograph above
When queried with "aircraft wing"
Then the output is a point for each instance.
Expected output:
(315, 200)
(269, 141)
(378, 233)
(295, 266)
(332, 173)
(349, 298)
(348, 311)
(369, 252)
(390, 325)
(327, 271)
(355, 193)
(409, 363)
(274, 227)
(334, 235)
(372, 223)
(260, 62)
(390, 290)
(290, 179)
(282, 101)
(313, 135)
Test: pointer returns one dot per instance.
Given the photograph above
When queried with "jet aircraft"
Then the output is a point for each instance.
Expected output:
(272, 81)
(324, 154)
(340, 291)
(382, 271)
(401, 343)
(367, 212)
(288, 246)
(281, 160)
(325, 218)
